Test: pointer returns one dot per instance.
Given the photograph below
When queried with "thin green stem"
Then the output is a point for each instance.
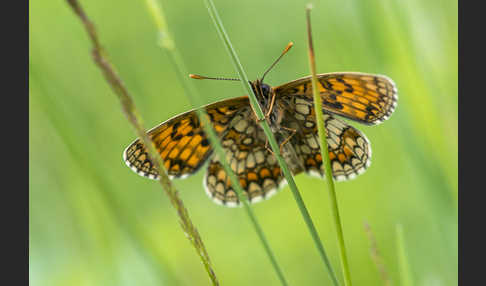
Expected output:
(271, 139)
(168, 45)
(128, 107)
(404, 265)
(376, 257)
(325, 156)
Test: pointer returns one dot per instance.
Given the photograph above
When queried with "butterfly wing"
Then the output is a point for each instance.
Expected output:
(181, 140)
(349, 149)
(255, 166)
(366, 98)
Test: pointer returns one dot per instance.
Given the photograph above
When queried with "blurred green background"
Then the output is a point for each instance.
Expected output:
(95, 222)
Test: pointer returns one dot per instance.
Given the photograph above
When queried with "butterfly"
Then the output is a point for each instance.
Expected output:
(289, 109)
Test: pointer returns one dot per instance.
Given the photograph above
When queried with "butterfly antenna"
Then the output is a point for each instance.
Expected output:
(287, 48)
(196, 76)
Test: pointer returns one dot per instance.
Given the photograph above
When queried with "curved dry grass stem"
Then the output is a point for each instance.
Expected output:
(129, 109)
(325, 156)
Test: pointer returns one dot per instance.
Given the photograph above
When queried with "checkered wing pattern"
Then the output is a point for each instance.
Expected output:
(365, 98)
(181, 141)
(184, 147)
(349, 150)
(255, 166)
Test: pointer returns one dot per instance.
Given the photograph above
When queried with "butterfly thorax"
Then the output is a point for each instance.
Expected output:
(265, 96)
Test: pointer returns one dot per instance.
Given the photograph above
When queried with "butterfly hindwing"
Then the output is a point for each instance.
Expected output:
(255, 166)
(349, 149)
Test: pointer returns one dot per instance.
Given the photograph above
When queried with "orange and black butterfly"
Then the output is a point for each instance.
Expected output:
(289, 108)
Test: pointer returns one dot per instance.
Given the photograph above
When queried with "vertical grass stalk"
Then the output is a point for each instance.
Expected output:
(167, 43)
(271, 139)
(128, 106)
(325, 156)
(403, 263)
(376, 257)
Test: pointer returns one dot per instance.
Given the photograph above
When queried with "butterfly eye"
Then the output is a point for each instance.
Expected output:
(266, 90)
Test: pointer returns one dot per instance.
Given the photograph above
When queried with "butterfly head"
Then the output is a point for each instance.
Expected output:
(262, 91)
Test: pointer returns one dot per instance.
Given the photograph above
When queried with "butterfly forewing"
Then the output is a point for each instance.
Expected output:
(181, 140)
(366, 98)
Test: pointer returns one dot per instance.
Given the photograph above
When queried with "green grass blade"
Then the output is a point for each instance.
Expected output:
(325, 157)
(194, 97)
(403, 263)
(271, 139)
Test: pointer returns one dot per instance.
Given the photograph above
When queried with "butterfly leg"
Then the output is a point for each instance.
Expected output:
(272, 103)
(269, 111)
(288, 138)
(266, 146)
(284, 142)
(258, 120)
